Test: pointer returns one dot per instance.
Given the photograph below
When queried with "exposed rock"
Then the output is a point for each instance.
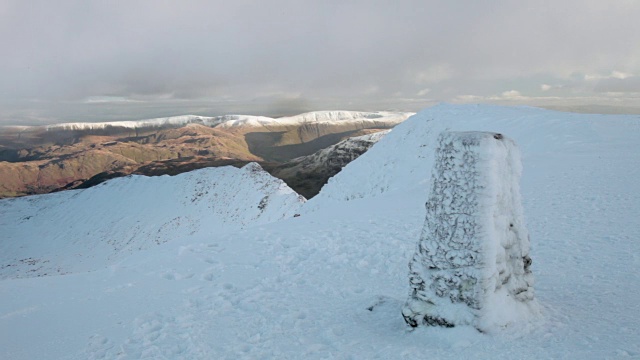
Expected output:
(308, 174)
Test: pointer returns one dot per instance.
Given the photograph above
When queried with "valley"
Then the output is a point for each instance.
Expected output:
(38, 160)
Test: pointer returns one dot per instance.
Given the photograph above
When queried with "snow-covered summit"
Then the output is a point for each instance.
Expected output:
(152, 123)
(338, 115)
(383, 118)
(125, 215)
(403, 159)
(235, 121)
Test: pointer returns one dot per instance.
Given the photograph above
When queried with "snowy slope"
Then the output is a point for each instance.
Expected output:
(342, 153)
(84, 230)
(307, 174)
(335, 156)
(403, 159)
(331, 283)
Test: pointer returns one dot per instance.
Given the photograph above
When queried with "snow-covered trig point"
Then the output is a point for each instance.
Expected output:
(472, 264)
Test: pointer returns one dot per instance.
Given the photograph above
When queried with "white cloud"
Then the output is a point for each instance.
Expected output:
(592, 77)
(620, 75)
(511, 94)
(161, 53)
(613, 75)
(423, 92)
(469, 98)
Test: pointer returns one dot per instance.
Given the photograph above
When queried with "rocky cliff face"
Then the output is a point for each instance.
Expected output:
(308, 174)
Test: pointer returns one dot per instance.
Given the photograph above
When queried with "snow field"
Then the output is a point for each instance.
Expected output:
(331, 283)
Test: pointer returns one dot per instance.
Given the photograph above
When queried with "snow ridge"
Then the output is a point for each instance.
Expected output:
(344, 151)
(158, 122)
(232, 121)
(403, 160)
(382, 118)
(134, 213)
(336, 116)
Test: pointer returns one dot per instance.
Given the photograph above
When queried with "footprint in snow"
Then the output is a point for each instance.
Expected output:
(171, 275)
(99, 347)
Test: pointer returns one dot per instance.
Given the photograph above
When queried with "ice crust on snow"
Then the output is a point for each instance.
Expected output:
(472, 263)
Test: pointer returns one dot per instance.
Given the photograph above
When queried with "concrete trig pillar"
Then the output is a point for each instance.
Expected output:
(472, 264)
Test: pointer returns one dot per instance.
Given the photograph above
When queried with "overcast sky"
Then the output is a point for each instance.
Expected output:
(105, 60)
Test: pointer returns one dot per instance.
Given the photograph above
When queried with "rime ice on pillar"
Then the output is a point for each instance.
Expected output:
(471, 266)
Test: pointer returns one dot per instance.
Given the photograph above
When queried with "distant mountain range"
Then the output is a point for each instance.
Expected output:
(43, 159)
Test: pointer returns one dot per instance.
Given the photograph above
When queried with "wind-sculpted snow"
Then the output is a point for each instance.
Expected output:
(109, 222)
(472, 263)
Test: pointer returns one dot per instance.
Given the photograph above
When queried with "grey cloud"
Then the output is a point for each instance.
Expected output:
(615, 85)
(331, 53)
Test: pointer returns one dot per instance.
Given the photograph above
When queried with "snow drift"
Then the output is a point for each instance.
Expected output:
(106, 223)
(472, 263)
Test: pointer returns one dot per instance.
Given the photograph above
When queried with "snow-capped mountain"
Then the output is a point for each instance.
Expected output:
(109, 222)
(171, 121)
(331, 283)
(342, 153)
(229, 121)
(43, 159)
(309, 173)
